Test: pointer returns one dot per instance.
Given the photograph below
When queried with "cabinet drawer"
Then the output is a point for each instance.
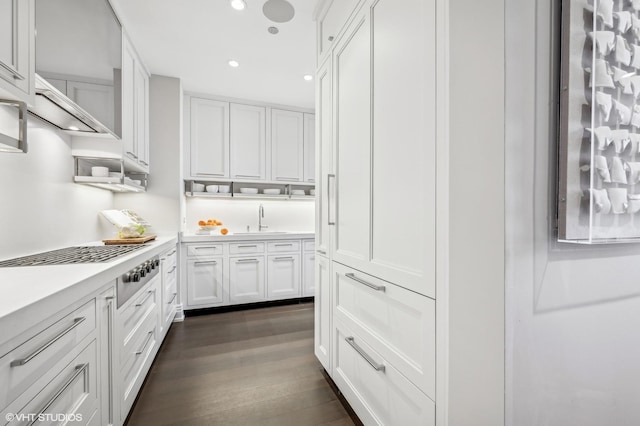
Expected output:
(283, 246)
(137, 358)
(378, 393)
(170, 257)
(131, 317)
(73, 391)
(246, 248)
(21, 367)
(398, 323)
(309, 245)
(208, 250)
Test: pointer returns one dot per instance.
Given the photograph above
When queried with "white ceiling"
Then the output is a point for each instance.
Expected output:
(194, 40)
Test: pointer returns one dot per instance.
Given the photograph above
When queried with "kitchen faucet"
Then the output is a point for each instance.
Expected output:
(260, 217)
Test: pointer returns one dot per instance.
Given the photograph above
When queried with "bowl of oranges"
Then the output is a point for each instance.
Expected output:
(209, 224)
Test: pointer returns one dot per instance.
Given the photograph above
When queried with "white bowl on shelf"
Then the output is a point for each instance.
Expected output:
(98, 171)
(197, 187)
(248, 190)
(271, 191)
(115, 175)
(212, 188)
(298, 192)
(224, 189)
(312, 192)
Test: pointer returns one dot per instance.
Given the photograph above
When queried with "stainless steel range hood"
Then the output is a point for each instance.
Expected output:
(56, 108)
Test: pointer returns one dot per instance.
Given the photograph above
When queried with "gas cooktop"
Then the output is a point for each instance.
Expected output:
(72, 255)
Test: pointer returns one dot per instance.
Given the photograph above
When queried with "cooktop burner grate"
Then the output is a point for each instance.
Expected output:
(72, 255)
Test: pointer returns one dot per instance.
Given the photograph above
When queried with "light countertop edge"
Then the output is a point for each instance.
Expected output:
(32, 294)
(195, 238)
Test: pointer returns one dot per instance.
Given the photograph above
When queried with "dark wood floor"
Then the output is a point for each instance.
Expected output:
(253, 367)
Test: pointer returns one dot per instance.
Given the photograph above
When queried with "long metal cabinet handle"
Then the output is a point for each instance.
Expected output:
(329, 221)
(172, 253)
(23, 361)
(146, 342)
(78, 371)
(284, 245)
(16, 75)
(283, 258)
(172, 269)
(368, 284)
(247, 260)
(145, 299)
(250, 246)
(172, 299)
(351, 341)
(322, 252)
(204, 262)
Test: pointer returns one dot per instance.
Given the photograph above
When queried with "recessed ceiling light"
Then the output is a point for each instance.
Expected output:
(308, 77)
(234, 64)
(238, 4)
(74, 128)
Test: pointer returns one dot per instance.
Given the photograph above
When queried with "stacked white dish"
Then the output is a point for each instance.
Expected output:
(248, 190)
(271, 191)
(224, 189)
(197, 187)
(212, 188)
(298, 192)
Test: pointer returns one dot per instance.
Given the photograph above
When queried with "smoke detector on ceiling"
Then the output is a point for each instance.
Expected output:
(278, 11)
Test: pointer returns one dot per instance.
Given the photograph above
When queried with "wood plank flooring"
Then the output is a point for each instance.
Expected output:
(253, 367)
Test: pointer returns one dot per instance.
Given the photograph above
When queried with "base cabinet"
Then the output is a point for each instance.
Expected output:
(323, 311)
(205, 281)
(284, 276)
(246, 279)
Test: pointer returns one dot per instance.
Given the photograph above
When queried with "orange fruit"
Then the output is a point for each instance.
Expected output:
(224, 231)
(219, 223)
(201, 223)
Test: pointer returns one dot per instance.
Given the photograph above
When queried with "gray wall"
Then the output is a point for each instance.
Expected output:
(573, 351)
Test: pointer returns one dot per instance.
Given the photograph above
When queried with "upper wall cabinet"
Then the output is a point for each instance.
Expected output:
(17, 49)
(287, 145)
(248, 142)
(209, 138)
(228, 141)
(333, 14)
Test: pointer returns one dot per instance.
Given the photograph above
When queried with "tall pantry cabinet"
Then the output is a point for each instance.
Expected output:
(377, 235)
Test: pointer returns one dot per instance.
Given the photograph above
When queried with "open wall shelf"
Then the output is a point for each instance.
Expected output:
(249, 190)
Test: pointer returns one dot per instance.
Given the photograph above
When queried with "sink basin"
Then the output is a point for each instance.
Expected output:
(260, 233)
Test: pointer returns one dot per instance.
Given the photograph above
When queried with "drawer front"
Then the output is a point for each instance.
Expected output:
(72, 392)
(378, 393)
(137, 359)
(246, 248)
(397, 323)
(204, 250)
(309, 245)
(21, 367)
(283, 246)
(134, 314)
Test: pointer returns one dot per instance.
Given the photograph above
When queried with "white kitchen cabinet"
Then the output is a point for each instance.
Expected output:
(17, 49)
(135, 107)
(332, 20)
(209, 138)
(308, 274)
(247, 279)
(248, 145)
(309, 165)
(324, 157)
(352, 98)
(169, 272)
(205, 281)
(287, 145)
(96, 99)
(283, 280)
(323, 307)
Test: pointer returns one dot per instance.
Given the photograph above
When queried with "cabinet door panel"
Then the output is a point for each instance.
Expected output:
(287, 140)
(246, 279)
(309, 148)
(308, 275)
(209, 138)
(248, 142)
(96, 99)
(16, 43)
(353, 143)
(283, 281)
(128, 100)
(324, 156)
(204, 282)
(323, 311)
(404, 144)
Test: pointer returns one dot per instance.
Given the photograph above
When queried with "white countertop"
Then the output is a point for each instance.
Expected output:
(196, 238)
(33, 293)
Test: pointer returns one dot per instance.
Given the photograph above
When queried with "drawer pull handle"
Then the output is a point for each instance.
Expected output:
(23, 361)
(351, 341)
(146, 342)
(247, 260)
(78, 371)
(368, 284)
(172, 269)
(172, 299)
(132, 155)
(283, 258)
(172, 253)
(204, 262)
(145, 299)
(284, 245)
(252, 246)
(322, 252)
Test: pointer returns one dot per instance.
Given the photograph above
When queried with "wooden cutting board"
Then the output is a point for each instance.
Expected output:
(139, 240)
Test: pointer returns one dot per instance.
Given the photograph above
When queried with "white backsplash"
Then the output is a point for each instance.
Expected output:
(280, 215)
(42, 209)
